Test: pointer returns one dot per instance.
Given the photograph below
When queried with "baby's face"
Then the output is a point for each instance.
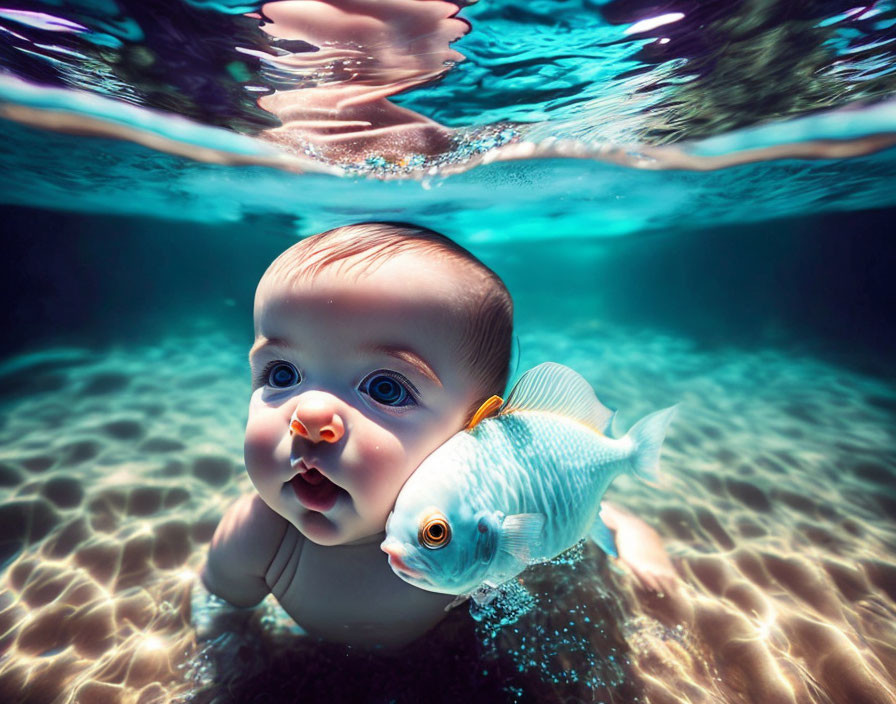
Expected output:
(366, 371)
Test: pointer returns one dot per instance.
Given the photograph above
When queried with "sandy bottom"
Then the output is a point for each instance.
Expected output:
(778, 509)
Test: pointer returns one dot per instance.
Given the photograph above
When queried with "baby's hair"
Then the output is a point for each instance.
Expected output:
(486, 342)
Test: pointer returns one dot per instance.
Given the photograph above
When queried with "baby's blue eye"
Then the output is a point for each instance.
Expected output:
(388, 389)
(281, 375)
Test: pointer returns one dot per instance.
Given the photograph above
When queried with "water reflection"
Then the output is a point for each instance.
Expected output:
(171, 56)
(340, 80)
(338, 62)
(720, 66)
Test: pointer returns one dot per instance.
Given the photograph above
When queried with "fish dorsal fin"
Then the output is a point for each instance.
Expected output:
(485, 410)
(553, 388)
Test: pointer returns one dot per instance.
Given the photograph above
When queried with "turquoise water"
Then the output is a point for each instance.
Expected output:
(693, 210)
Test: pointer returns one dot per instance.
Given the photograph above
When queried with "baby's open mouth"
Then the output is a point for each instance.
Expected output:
(314, 491)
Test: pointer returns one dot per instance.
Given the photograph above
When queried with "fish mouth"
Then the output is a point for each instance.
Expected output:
(396, 561)
(399, 565)
(312, 488)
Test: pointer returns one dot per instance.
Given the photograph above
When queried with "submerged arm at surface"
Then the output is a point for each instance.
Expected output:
(241, 551)
(640, 548)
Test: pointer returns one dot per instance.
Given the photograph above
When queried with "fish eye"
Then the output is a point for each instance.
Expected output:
(434, 532)
(281, 375)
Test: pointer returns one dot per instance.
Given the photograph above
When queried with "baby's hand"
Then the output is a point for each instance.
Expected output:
(206, 610)
(641, 549)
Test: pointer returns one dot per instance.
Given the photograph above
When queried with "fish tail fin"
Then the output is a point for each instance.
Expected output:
(647, 435)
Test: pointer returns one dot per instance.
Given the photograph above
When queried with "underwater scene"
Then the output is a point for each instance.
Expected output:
(691, 204)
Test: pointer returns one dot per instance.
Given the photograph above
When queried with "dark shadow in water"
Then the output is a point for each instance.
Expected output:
(819, 285)
(101, 280)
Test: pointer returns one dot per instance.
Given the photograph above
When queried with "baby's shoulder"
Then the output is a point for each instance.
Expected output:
(250, 523)
(249, 533)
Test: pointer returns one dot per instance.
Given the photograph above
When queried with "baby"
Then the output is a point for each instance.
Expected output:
(374, 344)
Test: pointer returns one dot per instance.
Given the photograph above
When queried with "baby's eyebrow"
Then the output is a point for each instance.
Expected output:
(263, 341)
(409, 357)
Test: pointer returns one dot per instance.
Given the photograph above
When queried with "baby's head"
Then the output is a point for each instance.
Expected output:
(374, 343)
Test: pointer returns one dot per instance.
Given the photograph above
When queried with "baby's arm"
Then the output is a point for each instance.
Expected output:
(640, 548)
(245, 542)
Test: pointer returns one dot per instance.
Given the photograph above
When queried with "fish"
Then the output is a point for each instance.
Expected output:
(521, 484)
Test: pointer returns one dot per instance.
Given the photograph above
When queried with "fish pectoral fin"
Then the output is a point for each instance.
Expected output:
(521, 535)
(604, 537)
(458, 600)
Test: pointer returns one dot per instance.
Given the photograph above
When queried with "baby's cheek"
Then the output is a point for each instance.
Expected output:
(385, 467)
(261, 439)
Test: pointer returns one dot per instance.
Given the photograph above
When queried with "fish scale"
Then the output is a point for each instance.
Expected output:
(564, 467)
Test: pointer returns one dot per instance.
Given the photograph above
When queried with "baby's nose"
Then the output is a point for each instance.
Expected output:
(316, 419)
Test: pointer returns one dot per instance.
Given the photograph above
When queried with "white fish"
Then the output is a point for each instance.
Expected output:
(517, 488)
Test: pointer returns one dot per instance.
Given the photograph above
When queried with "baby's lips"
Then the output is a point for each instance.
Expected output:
(308, 472)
